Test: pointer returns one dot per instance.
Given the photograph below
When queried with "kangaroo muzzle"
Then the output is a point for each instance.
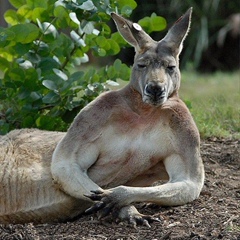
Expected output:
(154, 93)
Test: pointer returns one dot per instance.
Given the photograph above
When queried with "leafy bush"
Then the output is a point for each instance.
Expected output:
(42, 53)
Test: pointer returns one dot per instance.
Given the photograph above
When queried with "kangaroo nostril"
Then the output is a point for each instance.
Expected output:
(154, 90)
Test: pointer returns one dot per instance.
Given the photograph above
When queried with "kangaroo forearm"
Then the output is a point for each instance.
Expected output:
(73, 181)
(169, 194)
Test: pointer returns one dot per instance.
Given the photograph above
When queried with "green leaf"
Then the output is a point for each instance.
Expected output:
(35, 96)
(25, 33)
(125, 73)
(126, 10)
(114, 47)
(118, 65)
(158, 23)
(4, 64)
(101, 41)
(33, 57)
(123, 3)
(87, 6)
(17, 3)
(41, 14)
(118, 39)
(62, 15)
(31, 79)
(50, 98)
(15, 75)
(84, 58)
(153, 23)
(45, 122)
(4, 127)
(25, 64)
(43, 48)
(60, 12)
(74, 18)
(111, 72)
(5, 36)
(12, 17)
(60, 74)
(37, 3)
(106, 30)
(28, 122)
(47, 28)
(23, 93)
(88, 28)
(46, 65)
(49, 84)
(21, 49)
(3, 96)
(101, 52)
(103, 16)
(25, 11)
(77, 39)
(76, 76)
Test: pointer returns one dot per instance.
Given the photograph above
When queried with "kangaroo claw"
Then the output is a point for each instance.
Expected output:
(144, 220)
(95, 196)
(96, 207)
(135, 218)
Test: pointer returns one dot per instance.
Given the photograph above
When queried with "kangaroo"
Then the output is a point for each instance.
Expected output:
(115, 149)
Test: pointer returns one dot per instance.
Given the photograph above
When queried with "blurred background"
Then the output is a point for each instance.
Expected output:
(214, 41)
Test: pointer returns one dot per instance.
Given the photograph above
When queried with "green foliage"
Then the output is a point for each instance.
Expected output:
(42, 53)
(153, 23)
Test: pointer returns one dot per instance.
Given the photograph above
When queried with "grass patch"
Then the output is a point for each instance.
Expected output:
(214, 101)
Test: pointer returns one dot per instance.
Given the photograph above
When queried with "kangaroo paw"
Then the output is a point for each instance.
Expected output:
(134, 218)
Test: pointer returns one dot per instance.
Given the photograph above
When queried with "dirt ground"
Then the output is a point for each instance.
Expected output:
(215, 215)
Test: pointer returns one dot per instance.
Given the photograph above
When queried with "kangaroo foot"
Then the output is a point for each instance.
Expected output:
(134, 218)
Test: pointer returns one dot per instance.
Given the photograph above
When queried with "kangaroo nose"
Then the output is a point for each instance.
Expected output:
(154, 90)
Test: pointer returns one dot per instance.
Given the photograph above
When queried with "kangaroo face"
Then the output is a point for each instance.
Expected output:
(155, 74)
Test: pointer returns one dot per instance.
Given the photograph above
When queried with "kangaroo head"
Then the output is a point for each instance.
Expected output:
(155, 73)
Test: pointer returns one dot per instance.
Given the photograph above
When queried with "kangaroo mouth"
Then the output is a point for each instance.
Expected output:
(154, 102)
(154, 98)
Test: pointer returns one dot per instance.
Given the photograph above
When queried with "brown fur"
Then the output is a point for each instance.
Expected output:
(117, 146)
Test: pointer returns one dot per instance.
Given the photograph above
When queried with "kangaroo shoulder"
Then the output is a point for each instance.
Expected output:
(92, 118)
(100, 108)
(181, 120)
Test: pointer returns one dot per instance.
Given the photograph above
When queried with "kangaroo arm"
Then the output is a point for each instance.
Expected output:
(169, 194)
(69, 170)
(185, 184)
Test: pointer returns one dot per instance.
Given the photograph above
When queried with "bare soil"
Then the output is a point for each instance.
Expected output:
(215, 215)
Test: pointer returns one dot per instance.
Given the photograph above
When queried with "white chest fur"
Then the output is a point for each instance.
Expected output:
(124, 155)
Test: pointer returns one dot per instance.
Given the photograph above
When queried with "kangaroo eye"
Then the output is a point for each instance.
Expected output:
(171, 68)
(141, 65)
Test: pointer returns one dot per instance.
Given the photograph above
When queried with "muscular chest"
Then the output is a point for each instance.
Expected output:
(130, 149)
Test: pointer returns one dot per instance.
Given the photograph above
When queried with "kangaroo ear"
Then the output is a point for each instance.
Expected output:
(132, 33)
(177, 33)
